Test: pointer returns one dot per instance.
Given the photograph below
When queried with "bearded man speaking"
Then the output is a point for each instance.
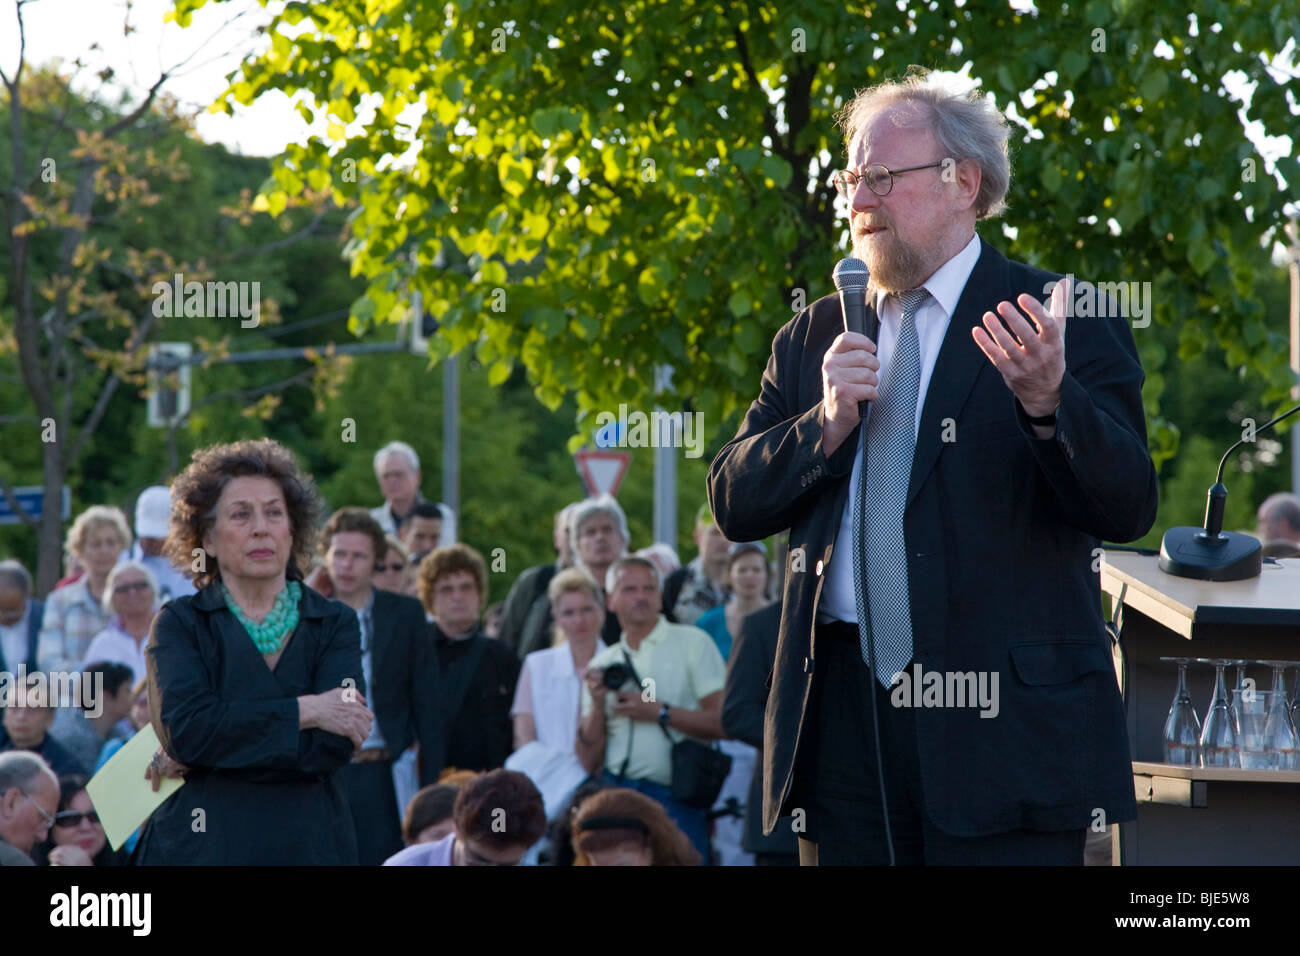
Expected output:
(950, 536)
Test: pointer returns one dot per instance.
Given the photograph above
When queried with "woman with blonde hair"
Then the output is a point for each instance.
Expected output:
(76, 612)
(620, 827)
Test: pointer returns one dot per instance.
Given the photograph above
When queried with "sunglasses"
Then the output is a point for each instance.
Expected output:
(395, 566)
(132, 586)
(72, 818)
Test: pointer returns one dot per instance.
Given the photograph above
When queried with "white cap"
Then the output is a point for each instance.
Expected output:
(152, 509)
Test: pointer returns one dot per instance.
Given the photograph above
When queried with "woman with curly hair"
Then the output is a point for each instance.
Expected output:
(255, 682)
(621, 827)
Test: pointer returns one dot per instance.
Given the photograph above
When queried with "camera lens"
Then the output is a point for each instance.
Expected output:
(616, 676)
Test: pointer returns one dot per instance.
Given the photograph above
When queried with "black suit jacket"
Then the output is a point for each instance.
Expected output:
(1001, 529)
(404, 680)
(744, 704)
(35, 614)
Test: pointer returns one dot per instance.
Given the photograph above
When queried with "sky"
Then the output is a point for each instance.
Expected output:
(65, 29)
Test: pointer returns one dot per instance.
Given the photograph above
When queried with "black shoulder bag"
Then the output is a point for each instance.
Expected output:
(699, 770)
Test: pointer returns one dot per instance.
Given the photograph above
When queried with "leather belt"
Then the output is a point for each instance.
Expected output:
(372, 755)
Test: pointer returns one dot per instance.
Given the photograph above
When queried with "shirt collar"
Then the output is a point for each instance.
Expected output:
(948, 281)
(659, 632)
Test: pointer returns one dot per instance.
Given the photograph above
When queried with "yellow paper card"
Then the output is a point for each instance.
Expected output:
(122, 796)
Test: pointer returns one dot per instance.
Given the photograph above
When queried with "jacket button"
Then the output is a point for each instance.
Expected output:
(806, 664)
(819, 567)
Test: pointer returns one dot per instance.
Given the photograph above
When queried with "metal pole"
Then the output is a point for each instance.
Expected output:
(451, 435)
(1293, 233)
(665, 478)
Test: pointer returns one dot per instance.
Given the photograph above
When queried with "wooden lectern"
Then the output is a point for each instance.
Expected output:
(1193, 815)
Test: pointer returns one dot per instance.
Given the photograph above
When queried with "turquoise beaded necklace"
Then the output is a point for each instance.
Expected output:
(270, 633)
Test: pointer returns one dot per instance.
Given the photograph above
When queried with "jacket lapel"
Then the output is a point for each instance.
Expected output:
(959, 363)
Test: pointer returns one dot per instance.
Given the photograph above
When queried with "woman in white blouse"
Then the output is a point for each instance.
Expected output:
(548, 696)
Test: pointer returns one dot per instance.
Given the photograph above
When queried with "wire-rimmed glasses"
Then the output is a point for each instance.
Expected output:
(879, 179)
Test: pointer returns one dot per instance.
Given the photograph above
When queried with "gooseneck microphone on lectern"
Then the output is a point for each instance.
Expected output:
(850, 277)
(1210, 553)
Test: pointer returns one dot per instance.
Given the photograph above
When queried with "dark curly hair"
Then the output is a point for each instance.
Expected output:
(197, 489)
(500, 809)
(669, 846)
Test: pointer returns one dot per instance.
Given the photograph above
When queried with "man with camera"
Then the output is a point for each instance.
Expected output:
(658, 673)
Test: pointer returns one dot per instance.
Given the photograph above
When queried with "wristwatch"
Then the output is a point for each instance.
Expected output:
(663, 715)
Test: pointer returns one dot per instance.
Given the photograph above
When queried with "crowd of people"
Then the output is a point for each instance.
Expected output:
(337, 692)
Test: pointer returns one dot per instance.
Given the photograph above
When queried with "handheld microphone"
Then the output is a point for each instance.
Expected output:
(1210, 553)
(850, 278)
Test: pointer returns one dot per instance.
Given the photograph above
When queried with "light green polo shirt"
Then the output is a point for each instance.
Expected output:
(685, 666)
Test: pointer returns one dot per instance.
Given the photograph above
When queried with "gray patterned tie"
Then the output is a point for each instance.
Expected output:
(880, 565)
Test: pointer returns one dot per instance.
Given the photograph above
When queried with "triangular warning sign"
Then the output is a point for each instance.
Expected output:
(602, 471)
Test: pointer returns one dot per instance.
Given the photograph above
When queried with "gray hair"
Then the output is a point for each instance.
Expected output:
(967, 126)
(93, 517)
(397, 448)
(113, 575)
(583, 511)
(18, 768)
(630, 561)
(17, 575)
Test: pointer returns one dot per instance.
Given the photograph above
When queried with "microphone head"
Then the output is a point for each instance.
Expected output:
(850, 275)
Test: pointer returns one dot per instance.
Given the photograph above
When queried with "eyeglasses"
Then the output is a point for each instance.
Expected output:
(72, 818)
(49, 820)
(395, 566)
(880, 179)
(132, 586)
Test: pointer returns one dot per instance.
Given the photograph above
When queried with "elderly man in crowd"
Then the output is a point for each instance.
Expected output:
(598, 535)
(397, 469)
(29, 799)
(20, 619)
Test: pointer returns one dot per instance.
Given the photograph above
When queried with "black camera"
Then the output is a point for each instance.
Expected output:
(616, 675)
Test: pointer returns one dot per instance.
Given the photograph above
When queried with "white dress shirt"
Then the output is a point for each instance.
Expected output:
(945, 288)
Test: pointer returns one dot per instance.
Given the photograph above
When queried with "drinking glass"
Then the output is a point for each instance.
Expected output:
(1253, 709)
(1279, 729)
(1182, 727)
(1219, 737)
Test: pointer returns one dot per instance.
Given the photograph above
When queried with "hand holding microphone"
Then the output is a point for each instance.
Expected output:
(849, 367)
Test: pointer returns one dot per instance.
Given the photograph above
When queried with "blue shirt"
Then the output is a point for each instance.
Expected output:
(714, 622)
